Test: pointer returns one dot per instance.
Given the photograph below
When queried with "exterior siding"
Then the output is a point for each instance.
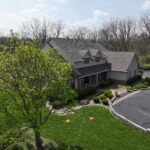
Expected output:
(118, 76)
(133, 68)
(79, 65)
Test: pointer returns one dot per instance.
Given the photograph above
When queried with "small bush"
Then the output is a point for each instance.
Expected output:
(134, 79)
(147, 80)
(104, 99)
(108, 94)
(96, 99)
(140, 85)
(86, 92)
(146, 67)
(57, 104)
(30, 145)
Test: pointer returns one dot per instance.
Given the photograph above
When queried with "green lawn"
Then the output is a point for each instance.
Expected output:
(103, 133)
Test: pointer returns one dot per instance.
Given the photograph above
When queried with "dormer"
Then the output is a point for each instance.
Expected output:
(96, 54)
(86, 56)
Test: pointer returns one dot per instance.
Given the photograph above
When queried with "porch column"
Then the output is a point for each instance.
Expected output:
(77, 84)
(97, 79)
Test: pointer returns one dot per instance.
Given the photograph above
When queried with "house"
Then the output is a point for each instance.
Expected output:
(92, 63)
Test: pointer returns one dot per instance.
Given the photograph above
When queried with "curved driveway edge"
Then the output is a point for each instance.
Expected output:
(121, 108)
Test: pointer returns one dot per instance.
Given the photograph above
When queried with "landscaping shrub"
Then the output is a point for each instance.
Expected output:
(134, 79)
(96, 99)
(108, 94)
(86, 92)
(144, 84)
(104, 99)
(106, 83)
(146, 67)
(140, 85)
(57, 104)
(30, 145)
(147, 80)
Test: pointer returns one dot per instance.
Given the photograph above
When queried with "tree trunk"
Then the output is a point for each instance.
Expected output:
(38, 140)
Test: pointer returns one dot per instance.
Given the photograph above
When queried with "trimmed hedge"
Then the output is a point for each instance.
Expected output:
(96, 99)
(104, 99)
(86, 92)
(134, 79)
(108, 94)
(57, 104)
(106, 83)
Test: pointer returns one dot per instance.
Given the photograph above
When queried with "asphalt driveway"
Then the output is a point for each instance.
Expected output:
(136, 108)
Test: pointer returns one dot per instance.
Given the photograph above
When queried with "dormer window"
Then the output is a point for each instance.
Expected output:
(86, 60)
(97, 59)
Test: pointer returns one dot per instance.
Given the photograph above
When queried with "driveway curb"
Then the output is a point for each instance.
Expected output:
(147, 130)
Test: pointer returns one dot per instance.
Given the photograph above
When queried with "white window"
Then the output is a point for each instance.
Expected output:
(97, 59)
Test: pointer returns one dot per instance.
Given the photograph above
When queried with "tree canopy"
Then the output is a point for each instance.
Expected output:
(37, 77)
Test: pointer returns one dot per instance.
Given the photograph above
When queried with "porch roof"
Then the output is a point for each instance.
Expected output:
(94, 69)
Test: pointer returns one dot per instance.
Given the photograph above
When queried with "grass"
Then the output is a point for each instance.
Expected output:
(103, 133)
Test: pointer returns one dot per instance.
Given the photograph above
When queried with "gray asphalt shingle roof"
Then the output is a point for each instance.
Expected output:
(120, 61)
(74, 50)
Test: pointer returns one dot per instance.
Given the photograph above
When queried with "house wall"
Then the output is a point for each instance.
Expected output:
(124, 76)
(133, 68)
(118, 76)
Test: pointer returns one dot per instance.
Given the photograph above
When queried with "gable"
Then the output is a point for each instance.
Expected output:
(76, 50)
(120, 60)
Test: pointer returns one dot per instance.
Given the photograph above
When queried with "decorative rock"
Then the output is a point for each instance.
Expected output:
(84, 102)
(91, 118)
(67, 121)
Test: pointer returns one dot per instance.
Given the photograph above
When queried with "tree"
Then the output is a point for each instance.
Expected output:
(79, 33)
(58, 29)
(145, 23)
(36, 77)
(42, 29)
(118, 34)
(144, 37)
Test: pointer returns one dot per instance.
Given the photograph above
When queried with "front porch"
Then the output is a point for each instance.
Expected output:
(91, 80)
